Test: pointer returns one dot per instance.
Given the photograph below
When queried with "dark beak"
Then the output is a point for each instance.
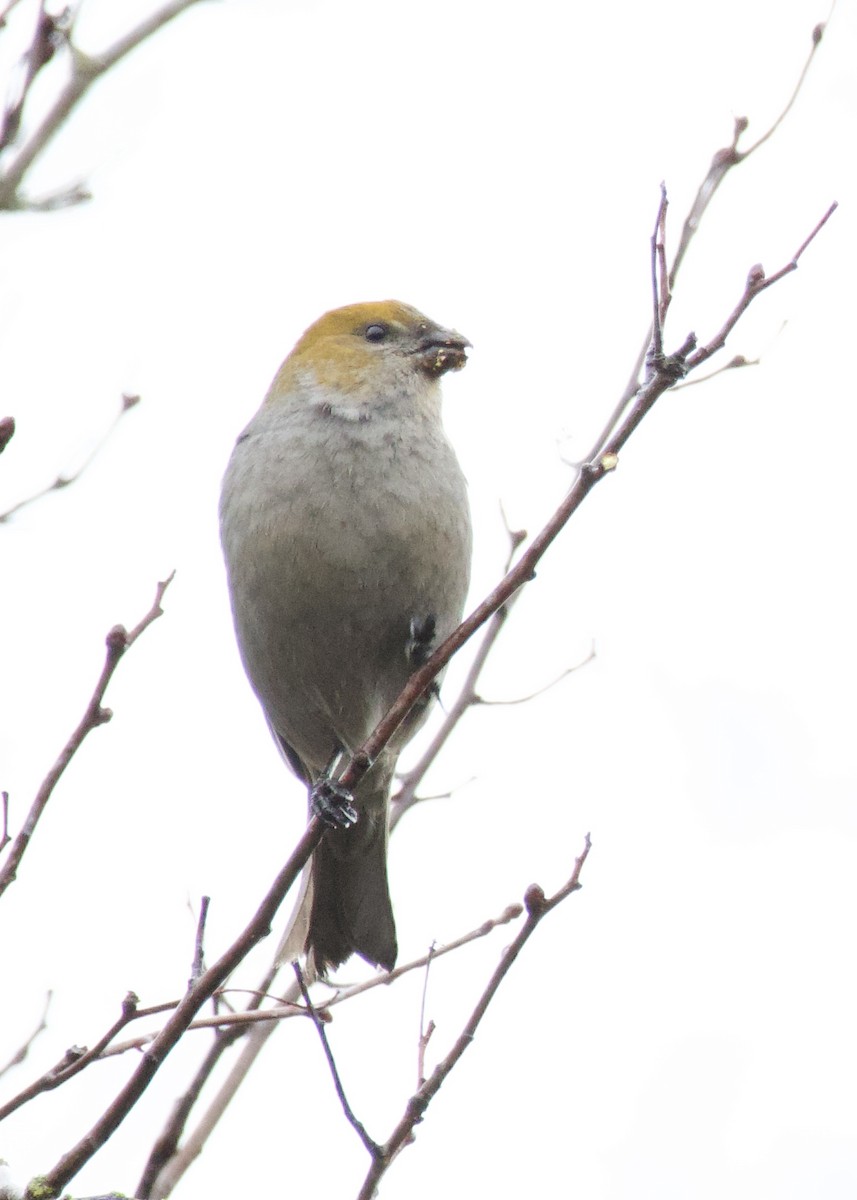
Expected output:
(441, 350)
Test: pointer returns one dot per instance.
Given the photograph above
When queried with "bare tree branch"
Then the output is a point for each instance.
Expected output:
(62, 481)
(73, 1061)
(538, 906)
(24, 1049)
(118, 641)
(7, 431)
(757, 282)
(153, 1058)
(721, 164)
(85, 70)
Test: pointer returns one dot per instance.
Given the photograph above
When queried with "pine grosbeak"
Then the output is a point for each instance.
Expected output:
(346, 533)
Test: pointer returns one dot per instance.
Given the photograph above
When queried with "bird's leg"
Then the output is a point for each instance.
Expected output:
(421, 640)
(332, 802)
(420, 647)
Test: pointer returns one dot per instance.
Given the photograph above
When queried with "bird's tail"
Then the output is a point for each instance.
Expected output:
(344, 903)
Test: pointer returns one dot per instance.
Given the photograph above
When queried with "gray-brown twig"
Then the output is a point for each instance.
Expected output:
(129, 401)
(538, 906)
(119, 639)
(84, 70)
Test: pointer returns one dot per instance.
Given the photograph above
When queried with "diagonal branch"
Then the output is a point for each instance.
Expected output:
(53, 1183)
(118, 641)
(721, 164)
(85, 70)
(538, 906)
(129, 401)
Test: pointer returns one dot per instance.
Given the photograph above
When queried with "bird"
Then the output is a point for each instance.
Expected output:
(347, 539)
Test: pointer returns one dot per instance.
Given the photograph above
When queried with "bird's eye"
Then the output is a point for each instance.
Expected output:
(376, 333)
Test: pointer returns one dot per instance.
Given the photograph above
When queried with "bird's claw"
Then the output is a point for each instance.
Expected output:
(333, 804)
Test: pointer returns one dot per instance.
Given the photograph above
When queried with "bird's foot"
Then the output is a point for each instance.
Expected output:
(333, 803)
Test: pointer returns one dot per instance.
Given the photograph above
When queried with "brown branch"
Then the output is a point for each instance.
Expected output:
(259, 926)
(7, 431)
(722, 162)
(265, 1023)
(538, 906)
(757, 282)
(73, 1061)
(24, 1049)
(48, 34)
(85, 70)
(425, 1030)
(198, 948)
(730, 156)
(541, 691)
(167, 1142)
(317, 1020)
(5, 838)
(118, 641)
(63, 481)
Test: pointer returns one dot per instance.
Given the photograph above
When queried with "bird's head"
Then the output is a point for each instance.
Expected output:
(367, 354)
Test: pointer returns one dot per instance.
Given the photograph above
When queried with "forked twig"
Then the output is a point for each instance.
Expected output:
(538, 906)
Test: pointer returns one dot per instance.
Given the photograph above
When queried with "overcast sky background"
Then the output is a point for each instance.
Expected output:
(684, 1026)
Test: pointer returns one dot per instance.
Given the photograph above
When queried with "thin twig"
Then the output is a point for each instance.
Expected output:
(425, 1030)
(24, 1049)
(548, 687)
(119, 640)
(660, 287)
(63, 481)
(722, 162)
(5, 839)
(356, 1124)
(167, 1141)
(73, 1061)
(538, 906)
(730, 156)
(265, 1022)
(7, 431)
(85, 70)
(198, 953)
(153, 1058)
(757, 282)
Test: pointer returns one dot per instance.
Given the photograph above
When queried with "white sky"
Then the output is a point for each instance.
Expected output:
(685, 1025)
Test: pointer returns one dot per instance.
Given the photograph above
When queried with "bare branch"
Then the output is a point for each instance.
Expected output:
(538, 906)
(118, 641)
(63, 481)
(425, 1030)
(173, 1168)
(548, 687)
(73, 1061)
(757, 282)
(24, 1049)
(730, 156)
(198, 951)
(7, 431)
(85, 70)
(356, 1124)
(722, 162)
(153, 1058)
